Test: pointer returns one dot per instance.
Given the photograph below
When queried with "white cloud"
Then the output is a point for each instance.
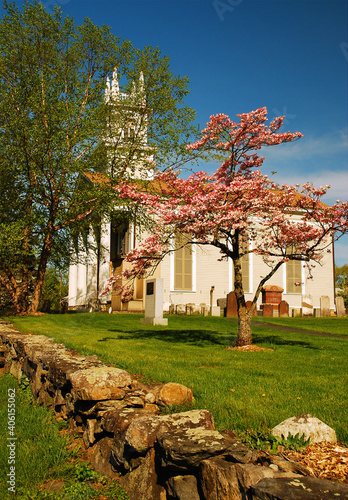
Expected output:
(309, 147)
(337, 180)
(320, 160)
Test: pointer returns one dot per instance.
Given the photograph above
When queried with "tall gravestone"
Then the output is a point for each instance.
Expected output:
(324, 306)
(231, 305)
(307, 305)
(154, 303)
(248, 306)
(283, 310)
(267, 310)
(340, 308)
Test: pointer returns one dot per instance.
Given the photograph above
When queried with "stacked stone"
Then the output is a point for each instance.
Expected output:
(160, 456)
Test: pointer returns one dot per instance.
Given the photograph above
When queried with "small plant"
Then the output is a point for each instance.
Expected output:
(77, 491)
(265, 441)
(24, 390)
(84, 473)
(295, 443)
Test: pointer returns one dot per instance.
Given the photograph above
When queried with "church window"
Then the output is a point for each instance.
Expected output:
(293, 274)
(182, 265)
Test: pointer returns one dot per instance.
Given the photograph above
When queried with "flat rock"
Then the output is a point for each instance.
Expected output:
(304, 488)
(142, 432)
(250, 474)
(99, 383)
(119, 420)
(186, 448)
(312, 428)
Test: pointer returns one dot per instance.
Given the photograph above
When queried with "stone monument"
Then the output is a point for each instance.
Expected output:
(307, 305)
(324, 306)
(340, 308)
(154, 303)
(231, 305)
(283, 310)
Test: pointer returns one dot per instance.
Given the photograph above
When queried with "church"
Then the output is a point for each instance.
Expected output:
(192, 275)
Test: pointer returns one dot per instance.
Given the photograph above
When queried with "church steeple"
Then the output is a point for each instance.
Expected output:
(115, 88)
(142, 88)
(107, 90)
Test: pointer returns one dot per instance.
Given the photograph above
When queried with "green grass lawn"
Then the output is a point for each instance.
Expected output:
(303, 374)
(41, 452)
(337, 326)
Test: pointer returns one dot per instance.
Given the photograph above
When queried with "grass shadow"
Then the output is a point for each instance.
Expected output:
(276, 340)
(192, 337)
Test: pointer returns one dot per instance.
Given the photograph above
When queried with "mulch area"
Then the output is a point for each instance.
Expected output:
(323, 460)
(251, 347)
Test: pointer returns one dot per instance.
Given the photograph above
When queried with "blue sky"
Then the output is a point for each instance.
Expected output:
(288, 55)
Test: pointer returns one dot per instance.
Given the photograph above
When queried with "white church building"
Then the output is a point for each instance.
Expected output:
(190, 274)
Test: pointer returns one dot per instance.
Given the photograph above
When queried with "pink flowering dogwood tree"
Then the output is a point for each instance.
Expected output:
(235, 204)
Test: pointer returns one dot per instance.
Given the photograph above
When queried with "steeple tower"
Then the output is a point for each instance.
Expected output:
(107, 90)
(115, 88)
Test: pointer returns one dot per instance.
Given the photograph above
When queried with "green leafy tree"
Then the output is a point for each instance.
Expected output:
(341, 282)
(58, 134)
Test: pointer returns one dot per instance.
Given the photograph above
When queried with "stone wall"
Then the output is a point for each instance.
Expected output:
(159, 456)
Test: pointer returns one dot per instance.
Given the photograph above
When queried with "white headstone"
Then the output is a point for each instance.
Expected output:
(307, 305)
(340, 308)
(154, 303)
(324, 306)
(180, 309)
(215, 311)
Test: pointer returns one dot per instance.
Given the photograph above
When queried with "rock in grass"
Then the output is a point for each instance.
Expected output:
(174, 394)
(312, 428)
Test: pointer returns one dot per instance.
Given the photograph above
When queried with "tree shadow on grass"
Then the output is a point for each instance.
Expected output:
(275, 340)
(192, 337)
(203, 338)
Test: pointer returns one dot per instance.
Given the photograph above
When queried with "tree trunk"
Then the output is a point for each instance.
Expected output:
(244, 329)
(244, 317)
(34, 306)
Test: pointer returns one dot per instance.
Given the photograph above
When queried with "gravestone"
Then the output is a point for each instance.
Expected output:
(195, 309)
(248, 306)
(154, 303)
(204, 309)
(324, 306)
(267, 310)
(231, 306)
(272, 294)
(297, 311)
(215, 311)
(283, 309)
(340, 308)
(307, 305)
(180, 309)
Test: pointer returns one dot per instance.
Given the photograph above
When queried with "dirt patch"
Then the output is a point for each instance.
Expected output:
(251, 347)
